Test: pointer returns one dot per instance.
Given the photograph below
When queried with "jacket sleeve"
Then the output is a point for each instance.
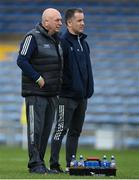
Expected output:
(64, 46)
(27, 49)
(87, 47)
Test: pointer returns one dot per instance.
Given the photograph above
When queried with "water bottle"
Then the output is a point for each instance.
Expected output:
(113, 162)
(104, 161)
(73, 162)
(81, 161)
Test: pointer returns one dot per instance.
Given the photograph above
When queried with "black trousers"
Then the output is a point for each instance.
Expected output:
(70, 119)
(40, 113)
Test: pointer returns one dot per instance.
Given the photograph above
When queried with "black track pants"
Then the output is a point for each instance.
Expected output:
(40, 113)
(70, 117)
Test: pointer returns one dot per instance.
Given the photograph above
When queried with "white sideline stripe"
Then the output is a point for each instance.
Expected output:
(31, 114)
(26, 45)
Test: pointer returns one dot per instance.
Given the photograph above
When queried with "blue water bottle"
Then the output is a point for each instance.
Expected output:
(81, 161)
(104, 162)
(73, 162)
(113, 162)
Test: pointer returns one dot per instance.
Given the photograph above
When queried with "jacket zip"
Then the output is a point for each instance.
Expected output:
(80, 43)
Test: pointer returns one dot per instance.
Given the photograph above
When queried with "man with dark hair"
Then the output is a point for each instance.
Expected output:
(40, 59)
(77, 87)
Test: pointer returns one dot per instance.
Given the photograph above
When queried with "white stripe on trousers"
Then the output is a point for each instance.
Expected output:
(60, 123)
(31, 119)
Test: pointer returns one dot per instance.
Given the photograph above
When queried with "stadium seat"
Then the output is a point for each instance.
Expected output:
(112, 28)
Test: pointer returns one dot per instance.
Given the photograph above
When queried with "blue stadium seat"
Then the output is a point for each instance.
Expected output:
(113, 36)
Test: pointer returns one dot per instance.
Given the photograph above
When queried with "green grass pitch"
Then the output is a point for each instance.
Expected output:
(13, 163)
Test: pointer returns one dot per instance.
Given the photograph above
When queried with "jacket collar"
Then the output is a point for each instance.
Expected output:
(72, 36)
(40, 28)
(44, 31)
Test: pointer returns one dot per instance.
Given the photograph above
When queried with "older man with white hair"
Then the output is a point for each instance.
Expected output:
(40, 59)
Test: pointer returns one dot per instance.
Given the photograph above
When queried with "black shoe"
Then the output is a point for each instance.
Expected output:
(50, 171)
(42, 170)
(38, 170)
(56, 168)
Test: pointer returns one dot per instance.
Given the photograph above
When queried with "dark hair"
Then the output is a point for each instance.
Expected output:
(70, 13)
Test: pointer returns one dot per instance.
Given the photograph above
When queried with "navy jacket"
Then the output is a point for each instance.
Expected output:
(77, 74)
